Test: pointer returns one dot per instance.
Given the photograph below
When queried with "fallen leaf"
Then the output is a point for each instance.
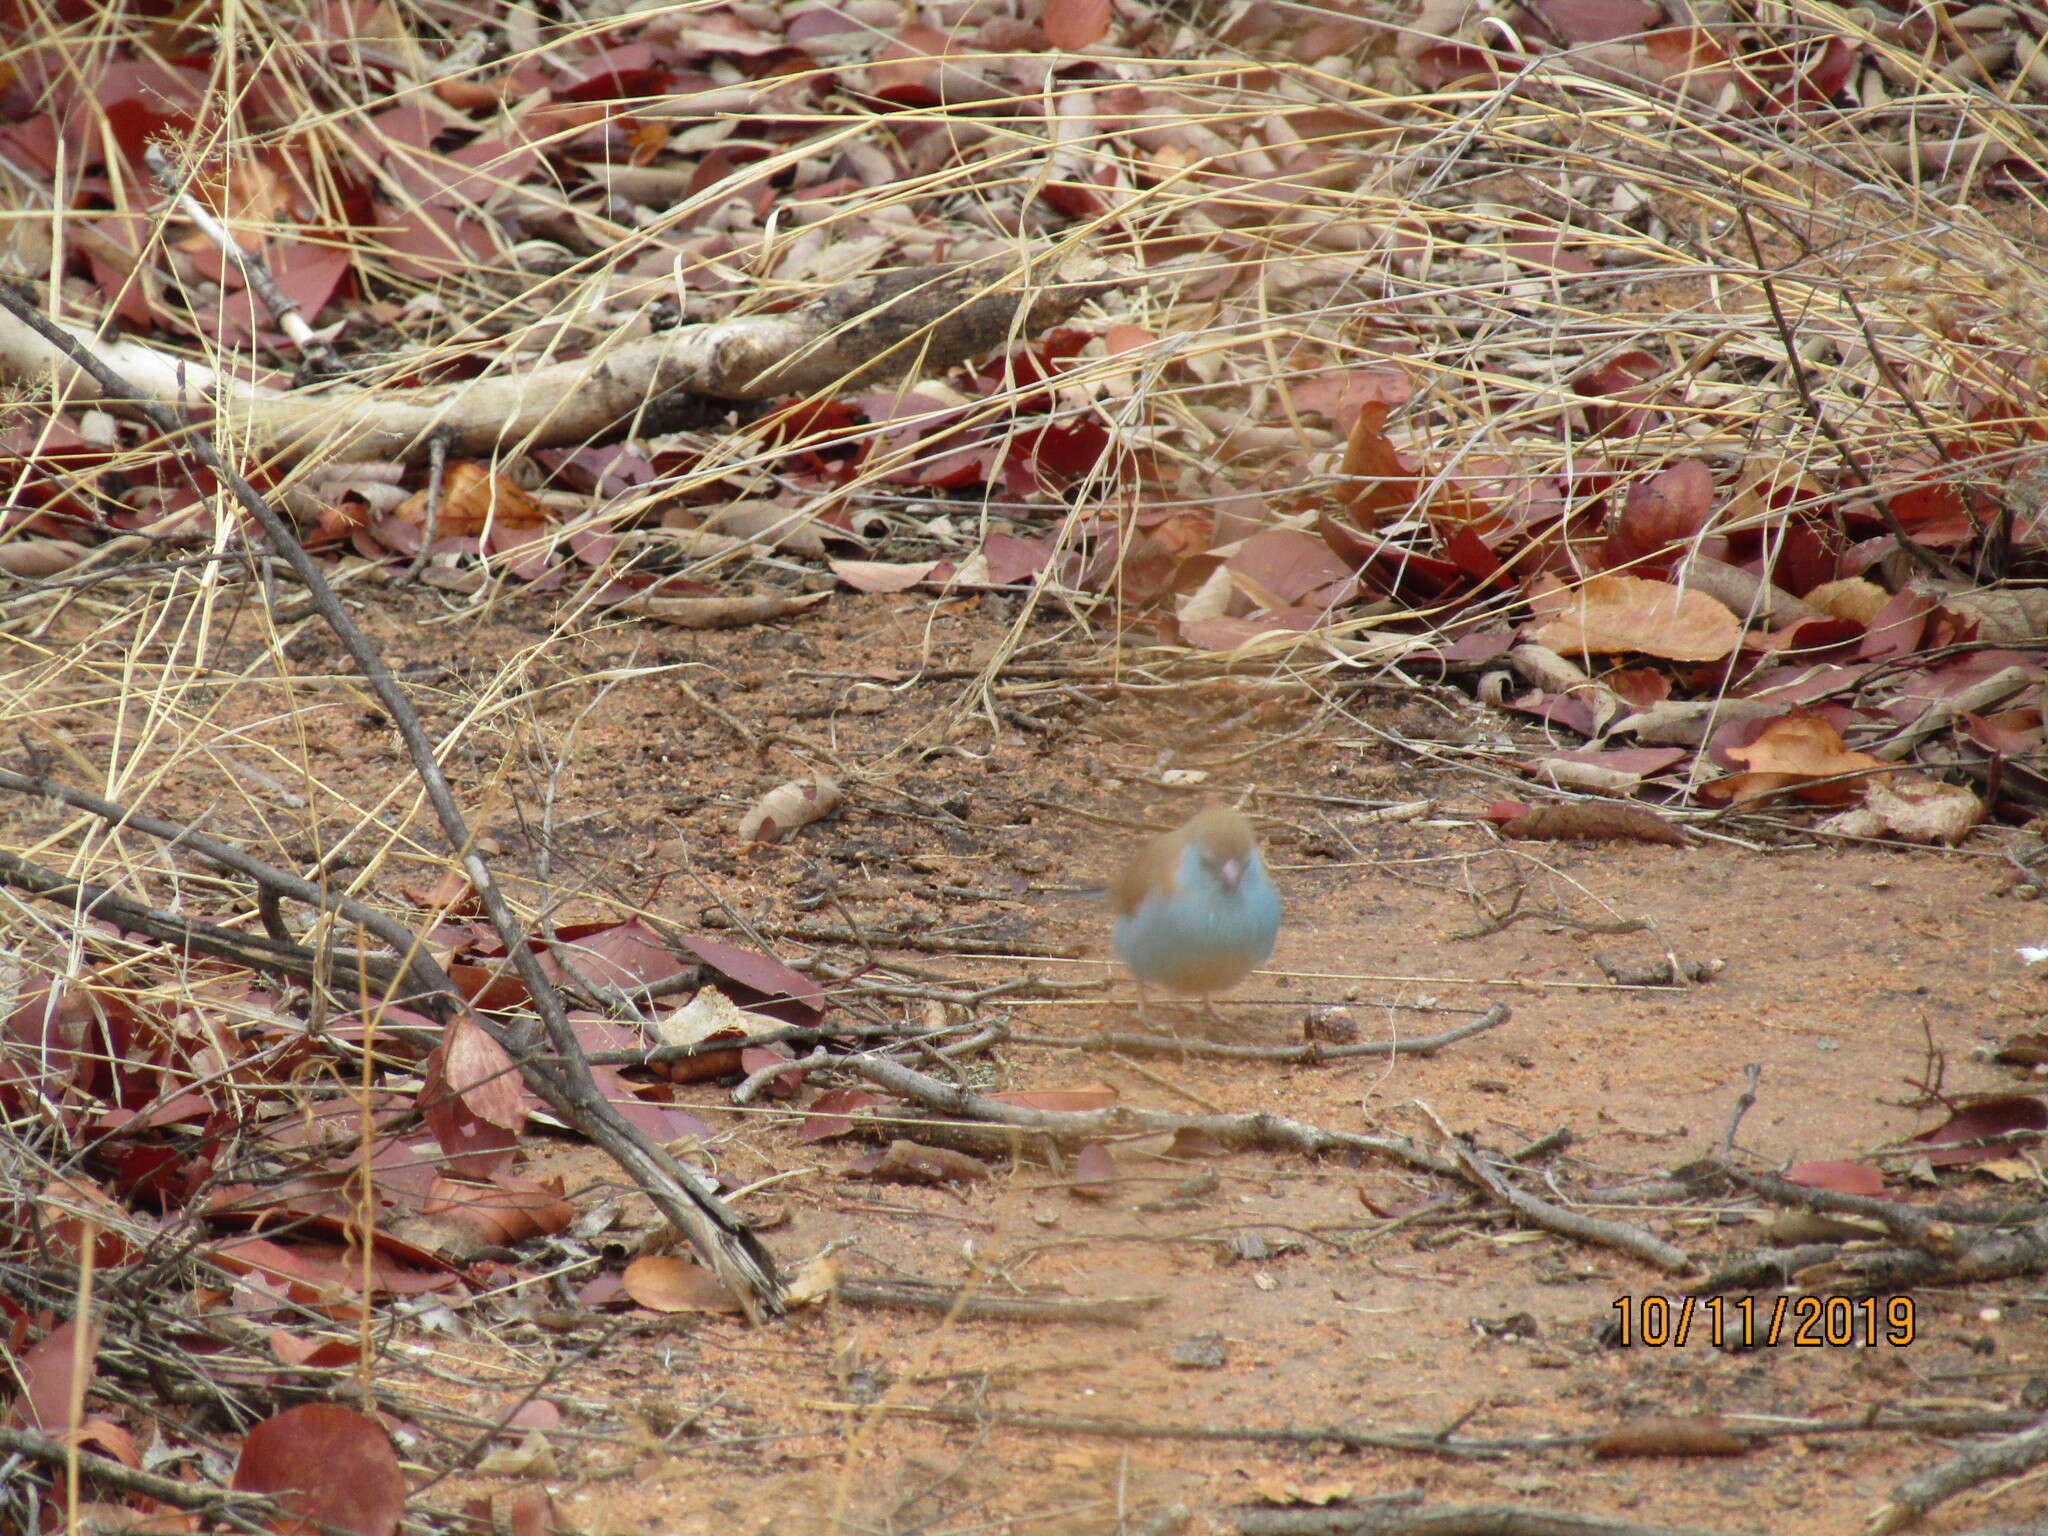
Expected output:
(1594, 819)
(328, 1465)
(662, 1283)
(1607, 614)
(906, 1162)
(1802, 753)
(1987, 1120)
(1669, 1435)
(788, 806)
(1843, 1178)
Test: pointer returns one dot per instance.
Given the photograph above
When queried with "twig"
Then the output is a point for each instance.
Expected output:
(321, 360)
(1744, 1102)
(242, 1508)
(1555, 1218)
(1449, 1520)
(1329, 1436)
(412, 955)
(1309, 1053)
(1270, 1131)
(257, 951)
(948, 1302)
(1966, 1469)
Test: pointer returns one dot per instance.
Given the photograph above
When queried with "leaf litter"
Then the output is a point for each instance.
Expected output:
(1387, 394)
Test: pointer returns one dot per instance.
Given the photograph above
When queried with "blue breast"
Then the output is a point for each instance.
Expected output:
(1201, 938)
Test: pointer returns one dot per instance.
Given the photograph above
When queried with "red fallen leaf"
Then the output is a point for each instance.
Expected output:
(1071, 25)
(663, 1122)
(626, 954)
(1985, 1119)
(1094, 1173)
(2014, 732)
(661, 1282)
(1229, 634)
(603, 1291)
(530, 1413)
(1095, 1096)
(1639, 686)
(503, 1212)
(1385, 487)
(1597, 21)
(906, 1162)
(1607, 614)
(1660, 1434)
(884, 576)
(760, 984)
(1623, 380)
(1663, 512)
(831, 1113)
(472, 1100)
(325, 1354)
(529, 1512)
(1341, 396)
(760, 1058)
(1691, 58)
(48, 1381)
(328, 1465)
(1842, 1177)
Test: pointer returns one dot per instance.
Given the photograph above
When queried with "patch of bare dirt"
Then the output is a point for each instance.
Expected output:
(1350, 1294)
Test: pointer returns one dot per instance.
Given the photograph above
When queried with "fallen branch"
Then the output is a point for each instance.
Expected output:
(1308, 1054)
(1268, 1132)
(947, 1301)
(890, 325)
(1966, 1469)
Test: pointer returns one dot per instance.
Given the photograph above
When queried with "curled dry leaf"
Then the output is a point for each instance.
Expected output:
(789, 806)
(1669, 1435)
(1582, 819)
(35, 558)
(661, 1283)
(472, 495)
(906, 1162)
(719, 612)
(1627, 613)
(1985, 1120)
(1852, 598)
(1802, 753)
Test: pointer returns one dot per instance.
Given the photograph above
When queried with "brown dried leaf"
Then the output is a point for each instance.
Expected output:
(788, 806)
(1793, 753)
(718, 612)
(1581, 818)
(906, 1162)
(1627, 613)
(662, 1283)
(473, 496)
(326, 1464)
(1669, 1435)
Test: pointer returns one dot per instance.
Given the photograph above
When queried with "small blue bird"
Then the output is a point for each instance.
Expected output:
(1195, 912)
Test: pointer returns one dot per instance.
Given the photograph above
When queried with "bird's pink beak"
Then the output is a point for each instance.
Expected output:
(1230, 871)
